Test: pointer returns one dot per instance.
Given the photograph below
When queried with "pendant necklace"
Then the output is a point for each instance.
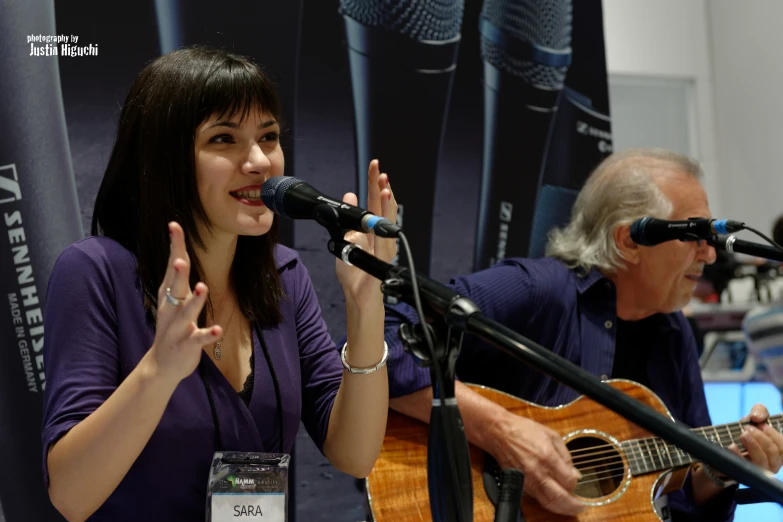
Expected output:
(216, 350)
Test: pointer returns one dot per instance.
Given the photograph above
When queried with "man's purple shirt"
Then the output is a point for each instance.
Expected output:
(573, 314)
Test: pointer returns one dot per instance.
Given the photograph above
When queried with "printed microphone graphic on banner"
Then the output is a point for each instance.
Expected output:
(525, 45)
(267, 32)
(582, 133)
(403, 56)
(39, 214)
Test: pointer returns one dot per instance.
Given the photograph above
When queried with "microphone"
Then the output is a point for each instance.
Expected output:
(292, 198)
(581, 134)
(649, 231)
(509, 495)
(731, 245)
(403, 58)
(525, 45)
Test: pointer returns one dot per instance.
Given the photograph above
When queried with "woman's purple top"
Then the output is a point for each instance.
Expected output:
(96, 332)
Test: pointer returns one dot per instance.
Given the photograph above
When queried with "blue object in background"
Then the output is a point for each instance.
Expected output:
(728, 402)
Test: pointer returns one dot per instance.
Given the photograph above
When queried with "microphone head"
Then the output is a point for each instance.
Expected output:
(544, 23)
(273, 191)
(637, 231)
(416, 19)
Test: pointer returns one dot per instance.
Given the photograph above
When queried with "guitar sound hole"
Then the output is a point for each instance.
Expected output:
(600, 464)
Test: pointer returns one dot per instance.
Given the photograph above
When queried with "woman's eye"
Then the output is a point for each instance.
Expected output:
(270, 136)
(222, 138)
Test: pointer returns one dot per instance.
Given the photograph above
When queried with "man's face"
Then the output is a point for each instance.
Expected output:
(666, 274)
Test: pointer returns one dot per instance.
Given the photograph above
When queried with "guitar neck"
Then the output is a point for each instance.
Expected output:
(654, 454)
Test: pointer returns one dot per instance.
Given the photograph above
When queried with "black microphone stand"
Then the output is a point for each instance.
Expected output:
(444, 302)
(731, 245)
(449, 480)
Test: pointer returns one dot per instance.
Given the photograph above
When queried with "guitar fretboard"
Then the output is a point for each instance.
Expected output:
(654, 454)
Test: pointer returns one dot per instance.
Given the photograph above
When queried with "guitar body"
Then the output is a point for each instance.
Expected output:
(397, 486)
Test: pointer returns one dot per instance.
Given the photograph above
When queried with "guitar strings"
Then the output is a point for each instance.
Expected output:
(634, 455)
(639, 452)
(613, 475)
(731, 436)
(722, 439)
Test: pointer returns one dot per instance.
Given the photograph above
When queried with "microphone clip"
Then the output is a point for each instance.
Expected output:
(327, 216)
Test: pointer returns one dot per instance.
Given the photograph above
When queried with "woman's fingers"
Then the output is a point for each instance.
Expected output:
(386, 248)
(388, 203)
(203, 336)
(178, 340)
(179, 284)
(373, 190)
(350, 198)
(186, 316)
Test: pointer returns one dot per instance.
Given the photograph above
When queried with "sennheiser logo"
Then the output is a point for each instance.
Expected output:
(506, 210)
(588, 130)
(337, 204)
(9, 184)
(604, 138)
(23, 302)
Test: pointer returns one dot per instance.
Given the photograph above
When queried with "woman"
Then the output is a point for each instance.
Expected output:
(166, 344)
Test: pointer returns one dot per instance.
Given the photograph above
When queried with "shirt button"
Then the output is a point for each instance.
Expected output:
(608, 324)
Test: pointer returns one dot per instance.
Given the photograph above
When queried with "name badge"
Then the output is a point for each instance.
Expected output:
(248, 487)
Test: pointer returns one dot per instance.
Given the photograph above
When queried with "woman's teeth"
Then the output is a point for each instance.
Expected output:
(248, 195)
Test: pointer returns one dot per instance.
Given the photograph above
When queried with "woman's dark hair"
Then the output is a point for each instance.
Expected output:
(150, 179)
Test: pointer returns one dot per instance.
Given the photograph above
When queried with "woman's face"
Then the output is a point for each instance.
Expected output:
(233, 160)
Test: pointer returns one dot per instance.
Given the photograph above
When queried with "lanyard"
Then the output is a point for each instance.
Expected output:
(218, 438)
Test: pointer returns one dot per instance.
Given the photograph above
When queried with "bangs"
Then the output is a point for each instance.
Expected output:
(236, 88)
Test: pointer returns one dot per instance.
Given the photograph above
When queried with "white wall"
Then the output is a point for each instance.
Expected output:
(747, 47)
(669, 38)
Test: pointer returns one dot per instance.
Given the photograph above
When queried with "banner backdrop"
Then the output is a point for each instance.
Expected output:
(347, 97)
(39, 215)
(546, 120)
(582, 132)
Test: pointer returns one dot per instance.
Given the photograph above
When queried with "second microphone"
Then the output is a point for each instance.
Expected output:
(292, 198)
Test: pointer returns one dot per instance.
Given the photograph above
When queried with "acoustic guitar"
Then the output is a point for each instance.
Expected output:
(624, 469)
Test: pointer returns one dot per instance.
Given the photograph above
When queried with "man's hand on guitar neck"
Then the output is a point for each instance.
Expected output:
(515, 442)
(763, 445)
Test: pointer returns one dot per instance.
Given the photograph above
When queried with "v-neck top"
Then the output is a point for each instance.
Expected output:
(97, 331)
(246, 393)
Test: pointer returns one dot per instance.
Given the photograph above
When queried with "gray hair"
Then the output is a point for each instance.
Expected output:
(619, 191)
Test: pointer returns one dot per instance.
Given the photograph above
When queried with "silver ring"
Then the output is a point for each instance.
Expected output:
(171, 299)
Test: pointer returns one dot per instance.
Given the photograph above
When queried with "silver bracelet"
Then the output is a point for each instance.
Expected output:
(717, 480)
(364, 371)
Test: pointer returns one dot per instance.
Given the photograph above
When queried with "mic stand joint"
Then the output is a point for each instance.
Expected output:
(449, 478)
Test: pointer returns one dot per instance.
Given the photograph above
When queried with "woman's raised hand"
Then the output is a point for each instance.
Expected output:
(179, 342)
(380, 201)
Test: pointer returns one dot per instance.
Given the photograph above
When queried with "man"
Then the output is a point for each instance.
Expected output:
(606, 304)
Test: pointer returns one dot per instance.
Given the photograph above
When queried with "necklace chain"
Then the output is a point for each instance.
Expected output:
(216, 349)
